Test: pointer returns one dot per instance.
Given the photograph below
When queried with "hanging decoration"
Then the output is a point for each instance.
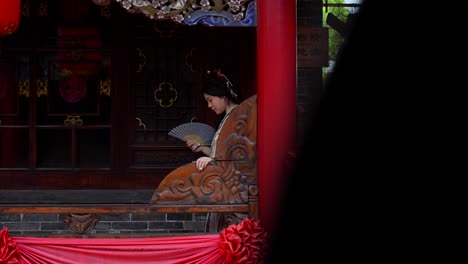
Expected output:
(10, 12)
(210, 12)
(73, 88)
(79, 50)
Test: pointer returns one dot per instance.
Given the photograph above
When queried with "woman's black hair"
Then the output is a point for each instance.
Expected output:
(217, 84)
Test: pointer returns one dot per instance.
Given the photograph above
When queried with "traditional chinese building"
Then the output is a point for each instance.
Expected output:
(90, 89)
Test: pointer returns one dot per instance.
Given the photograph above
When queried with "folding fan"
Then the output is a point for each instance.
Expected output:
(198, 132)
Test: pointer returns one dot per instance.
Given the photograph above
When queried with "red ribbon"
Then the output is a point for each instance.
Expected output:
(8, 250)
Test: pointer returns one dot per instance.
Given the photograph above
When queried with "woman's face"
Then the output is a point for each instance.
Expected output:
(216, 103)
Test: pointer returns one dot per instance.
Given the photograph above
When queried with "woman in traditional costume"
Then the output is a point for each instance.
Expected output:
(221, 97)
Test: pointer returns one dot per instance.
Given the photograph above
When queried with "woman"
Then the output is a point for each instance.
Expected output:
(219, 93)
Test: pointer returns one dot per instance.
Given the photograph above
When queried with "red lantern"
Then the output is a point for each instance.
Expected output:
(10, 11)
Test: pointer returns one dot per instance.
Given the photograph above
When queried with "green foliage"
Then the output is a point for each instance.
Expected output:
(334, 39)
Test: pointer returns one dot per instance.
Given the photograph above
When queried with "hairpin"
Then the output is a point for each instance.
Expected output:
(228, 82)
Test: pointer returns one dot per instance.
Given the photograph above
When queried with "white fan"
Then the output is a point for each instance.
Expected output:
(198, 132)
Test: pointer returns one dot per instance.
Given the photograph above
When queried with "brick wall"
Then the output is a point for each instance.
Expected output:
(53, 224)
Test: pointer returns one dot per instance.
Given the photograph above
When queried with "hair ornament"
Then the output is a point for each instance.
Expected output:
(228, 82)
(218, 73)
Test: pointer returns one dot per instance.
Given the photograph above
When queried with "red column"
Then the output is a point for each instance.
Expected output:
(276, 68)
(10, 11)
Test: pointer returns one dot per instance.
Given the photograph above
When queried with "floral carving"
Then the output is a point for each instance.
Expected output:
(81, 224)
(185, 11)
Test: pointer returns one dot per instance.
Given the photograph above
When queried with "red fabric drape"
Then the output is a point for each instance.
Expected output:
(242, 243)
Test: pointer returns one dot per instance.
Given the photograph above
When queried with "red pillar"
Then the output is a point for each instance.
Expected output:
(276, 68)
(10, 12)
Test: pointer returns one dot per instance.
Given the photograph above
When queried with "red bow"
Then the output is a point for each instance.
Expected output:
(8, 250)
(244, 243)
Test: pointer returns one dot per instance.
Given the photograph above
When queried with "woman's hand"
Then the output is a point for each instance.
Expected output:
(194, 146)
(202, 162)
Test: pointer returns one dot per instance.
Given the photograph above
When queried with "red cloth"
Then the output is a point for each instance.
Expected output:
(241, 243)
(8, 250)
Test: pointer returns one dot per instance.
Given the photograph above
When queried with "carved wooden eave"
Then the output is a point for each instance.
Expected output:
(232, 179)
(191, 12)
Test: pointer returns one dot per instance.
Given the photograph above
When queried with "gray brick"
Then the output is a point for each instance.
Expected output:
(108, 232)
(194, 226)
(13, 233)
(129, 225)
(10, 217)
(200, 216)
(103, 226)
(59, 232)
(180, 217)
(115, 217)
(147, 232)
(54, 226)
(149, 217)
(183, 231)
(42, 233)
(23, 226)
(39, 218)
(166, 225)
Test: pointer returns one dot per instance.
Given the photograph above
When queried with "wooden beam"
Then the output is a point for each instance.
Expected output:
(118, 209)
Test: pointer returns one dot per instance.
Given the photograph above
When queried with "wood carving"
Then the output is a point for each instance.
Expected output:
(219, 221)
(231, 179)
(81, 224)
